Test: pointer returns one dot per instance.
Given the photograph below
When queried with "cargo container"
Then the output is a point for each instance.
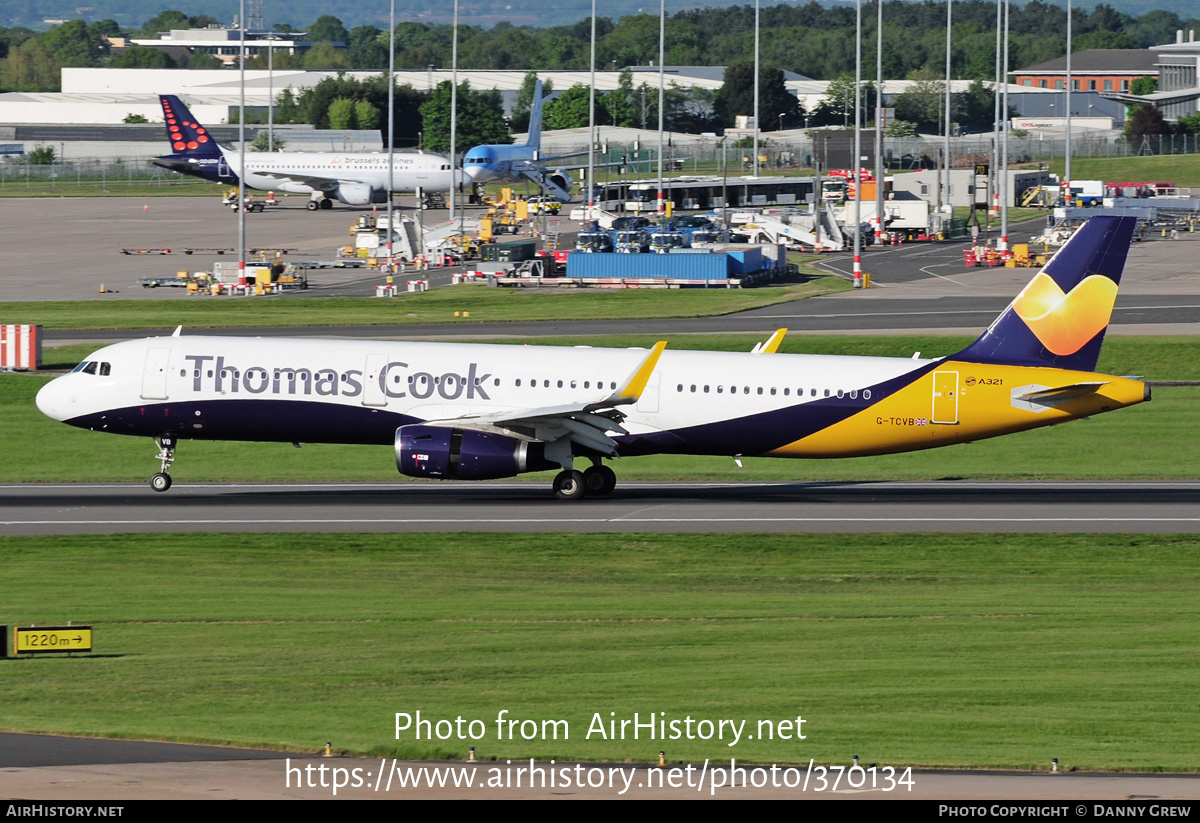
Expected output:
(714, 266)
(509, 251)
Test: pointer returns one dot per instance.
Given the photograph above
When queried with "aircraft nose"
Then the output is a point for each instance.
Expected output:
(52, 400)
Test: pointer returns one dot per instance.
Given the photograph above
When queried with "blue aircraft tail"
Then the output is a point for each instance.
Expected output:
(185, 135)
(1059, 319)
(535, 118)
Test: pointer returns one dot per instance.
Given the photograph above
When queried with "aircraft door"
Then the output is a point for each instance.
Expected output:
(373, 393)
(945, 397)
(223, 172)
(154, 374)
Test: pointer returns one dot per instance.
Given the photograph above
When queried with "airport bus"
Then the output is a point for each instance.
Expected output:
(704, 193)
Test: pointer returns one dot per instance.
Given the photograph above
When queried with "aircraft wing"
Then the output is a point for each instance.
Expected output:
(586, 423)
(313, 181)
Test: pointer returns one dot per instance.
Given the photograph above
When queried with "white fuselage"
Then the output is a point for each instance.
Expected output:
(290, 171)
(361, 391)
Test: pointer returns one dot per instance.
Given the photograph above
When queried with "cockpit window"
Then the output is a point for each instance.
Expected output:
(94, 367)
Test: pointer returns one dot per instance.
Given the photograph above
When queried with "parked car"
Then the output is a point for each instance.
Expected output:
(544, 203)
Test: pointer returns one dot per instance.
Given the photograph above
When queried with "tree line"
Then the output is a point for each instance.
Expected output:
(811, 40)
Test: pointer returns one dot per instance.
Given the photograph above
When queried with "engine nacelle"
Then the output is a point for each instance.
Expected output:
(360, 194)
(465, 454)
(558, 184)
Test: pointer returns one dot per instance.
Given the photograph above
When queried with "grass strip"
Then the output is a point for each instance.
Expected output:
(436, 306)
(963, 650)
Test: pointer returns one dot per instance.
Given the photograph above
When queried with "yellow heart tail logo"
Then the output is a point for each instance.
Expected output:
(1064, 323)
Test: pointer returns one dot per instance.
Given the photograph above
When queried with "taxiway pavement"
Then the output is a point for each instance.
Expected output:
(947, 506)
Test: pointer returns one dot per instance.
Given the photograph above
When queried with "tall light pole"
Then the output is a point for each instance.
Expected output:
(1004, 183)
(879, 123)
(858, 281)
(454, 114)
(996, 123)
(391, 133)
(1067, 172)
(949, 41)
(241, 208)
(756, 73)
(662, 54)
(588, 198)
(271, 92)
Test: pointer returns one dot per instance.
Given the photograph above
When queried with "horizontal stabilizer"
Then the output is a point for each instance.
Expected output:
(1040, 398)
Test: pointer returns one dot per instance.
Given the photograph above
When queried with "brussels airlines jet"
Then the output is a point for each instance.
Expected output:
(518, 163)
(354, 179)
(474, 412)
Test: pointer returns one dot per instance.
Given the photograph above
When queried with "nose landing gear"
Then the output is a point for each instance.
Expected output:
(166, 454)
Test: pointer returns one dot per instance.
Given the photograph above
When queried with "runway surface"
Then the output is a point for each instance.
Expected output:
(947, 506)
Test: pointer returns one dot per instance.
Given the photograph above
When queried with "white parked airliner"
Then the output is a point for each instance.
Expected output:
(356, 179)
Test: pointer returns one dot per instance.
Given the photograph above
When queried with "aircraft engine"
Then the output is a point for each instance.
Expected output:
(465, 454)
(558, 184)
(360, 194)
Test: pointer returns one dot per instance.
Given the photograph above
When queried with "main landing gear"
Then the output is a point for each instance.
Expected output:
(166, 453)
(597, 480)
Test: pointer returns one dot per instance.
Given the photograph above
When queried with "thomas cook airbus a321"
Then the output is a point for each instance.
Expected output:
(478, 412)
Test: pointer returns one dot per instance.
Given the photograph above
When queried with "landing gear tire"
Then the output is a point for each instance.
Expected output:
(313, 205)
(166, 456)
(569, 485)
(599, 481)
(326, 204)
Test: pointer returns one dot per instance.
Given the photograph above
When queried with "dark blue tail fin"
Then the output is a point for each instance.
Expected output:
(187, 137)
(1059, 319)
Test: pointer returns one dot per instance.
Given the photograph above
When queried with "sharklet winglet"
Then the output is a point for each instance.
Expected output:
(631, 392)
(773, 342)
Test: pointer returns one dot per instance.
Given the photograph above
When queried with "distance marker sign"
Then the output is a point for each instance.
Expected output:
(29, 639)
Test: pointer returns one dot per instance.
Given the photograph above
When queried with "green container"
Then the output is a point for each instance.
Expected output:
(511, 251)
